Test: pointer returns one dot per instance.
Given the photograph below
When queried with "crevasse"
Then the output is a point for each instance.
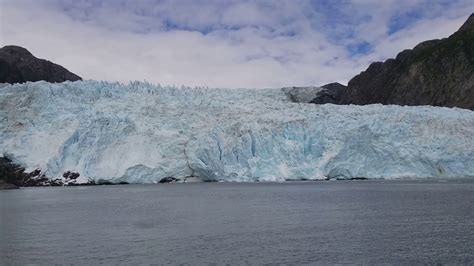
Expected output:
(141, 133)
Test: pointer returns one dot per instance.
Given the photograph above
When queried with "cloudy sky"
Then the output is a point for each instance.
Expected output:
(222, 43)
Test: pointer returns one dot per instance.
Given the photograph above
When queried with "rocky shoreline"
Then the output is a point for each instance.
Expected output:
(14, 176)
(5, 185)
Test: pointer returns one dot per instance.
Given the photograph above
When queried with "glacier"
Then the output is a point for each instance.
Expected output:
(141, 133)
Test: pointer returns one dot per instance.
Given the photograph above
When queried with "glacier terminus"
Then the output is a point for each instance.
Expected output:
(141, 133)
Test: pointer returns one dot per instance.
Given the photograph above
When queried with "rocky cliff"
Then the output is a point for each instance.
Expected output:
(18, 65)
(436, 72)
(330, 93)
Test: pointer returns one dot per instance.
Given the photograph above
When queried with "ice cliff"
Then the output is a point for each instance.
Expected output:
(141, 133)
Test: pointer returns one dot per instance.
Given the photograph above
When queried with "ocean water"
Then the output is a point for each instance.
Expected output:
(238, 223)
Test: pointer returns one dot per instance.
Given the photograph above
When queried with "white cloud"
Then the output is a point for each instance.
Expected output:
(223, 44)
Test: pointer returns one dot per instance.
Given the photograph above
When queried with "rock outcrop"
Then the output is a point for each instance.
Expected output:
(331, 93)
(4, 185)
(302, 94)
(436, 72)
(18, 65)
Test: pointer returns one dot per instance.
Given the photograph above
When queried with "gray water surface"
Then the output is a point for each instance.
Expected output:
(293, 223)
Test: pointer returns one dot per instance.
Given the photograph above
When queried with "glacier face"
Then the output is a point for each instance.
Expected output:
(141, 132)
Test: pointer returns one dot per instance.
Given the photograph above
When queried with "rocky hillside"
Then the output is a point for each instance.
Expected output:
(330, 93)
(302, 94)
(436, 72)
(18, 65)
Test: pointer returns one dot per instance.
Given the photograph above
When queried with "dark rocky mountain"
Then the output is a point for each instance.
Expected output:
(436, 72)
(330, 93)
(18, 65)
(302, 94)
